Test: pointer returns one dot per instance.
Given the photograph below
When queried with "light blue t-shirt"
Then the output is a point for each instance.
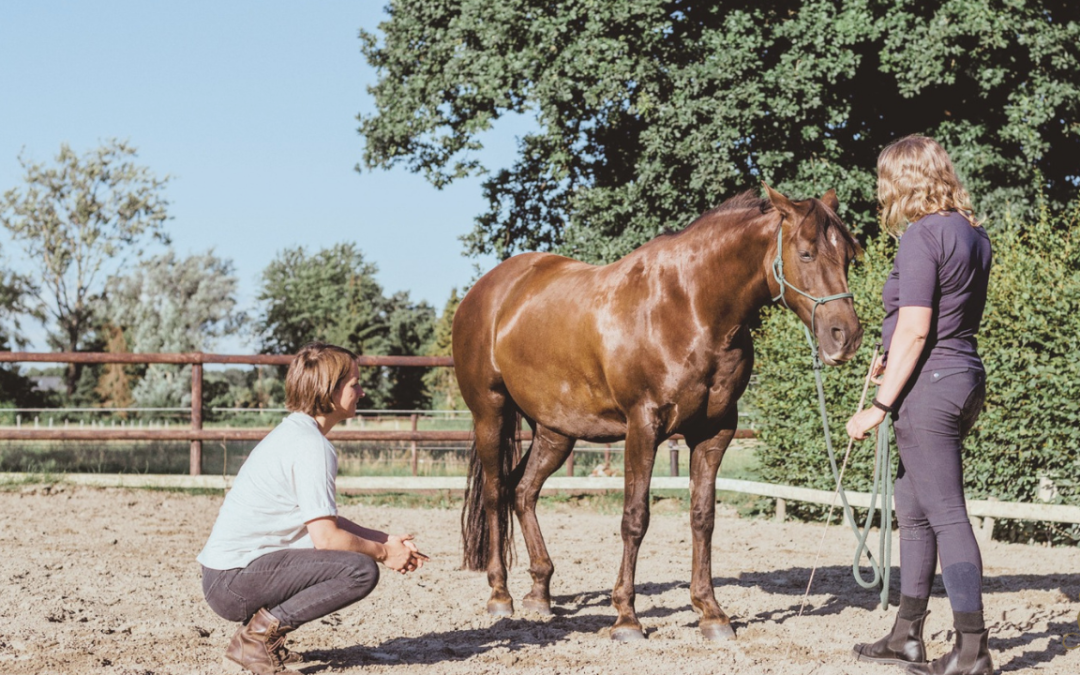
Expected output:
(288, 480)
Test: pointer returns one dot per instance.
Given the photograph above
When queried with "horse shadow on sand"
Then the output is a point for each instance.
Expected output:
(571, 616)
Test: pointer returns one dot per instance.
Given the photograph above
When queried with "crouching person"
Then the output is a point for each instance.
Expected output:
(279, 556)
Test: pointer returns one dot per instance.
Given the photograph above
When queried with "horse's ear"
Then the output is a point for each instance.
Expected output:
(830, 200)
(779, 201)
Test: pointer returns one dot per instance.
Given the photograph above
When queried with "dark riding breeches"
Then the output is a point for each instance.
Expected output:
(295, 585)
(935, 415)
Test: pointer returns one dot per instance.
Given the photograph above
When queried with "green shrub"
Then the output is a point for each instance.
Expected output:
(1029, 339)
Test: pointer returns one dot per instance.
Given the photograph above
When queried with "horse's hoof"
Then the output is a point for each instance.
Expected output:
(537, 607)
(627, 634)
(718, 632)
(496, 608)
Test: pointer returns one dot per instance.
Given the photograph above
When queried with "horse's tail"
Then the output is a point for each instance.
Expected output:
(474, 524)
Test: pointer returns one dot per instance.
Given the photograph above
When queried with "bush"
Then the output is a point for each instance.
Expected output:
(1030, 427)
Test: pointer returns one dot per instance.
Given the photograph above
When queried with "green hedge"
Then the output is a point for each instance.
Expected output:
(1030, 343)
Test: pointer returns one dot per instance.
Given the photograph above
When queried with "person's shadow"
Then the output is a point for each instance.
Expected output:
(834, 582)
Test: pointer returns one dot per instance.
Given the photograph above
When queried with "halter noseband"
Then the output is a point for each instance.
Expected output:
(778, 274)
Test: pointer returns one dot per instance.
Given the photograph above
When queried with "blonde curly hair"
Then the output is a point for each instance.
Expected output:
(917, 178)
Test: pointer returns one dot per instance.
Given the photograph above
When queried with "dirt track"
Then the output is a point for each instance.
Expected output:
(104, 581)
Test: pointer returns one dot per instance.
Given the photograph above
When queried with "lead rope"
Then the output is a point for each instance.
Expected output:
(882, 480)
(881, 487)
(882, 474)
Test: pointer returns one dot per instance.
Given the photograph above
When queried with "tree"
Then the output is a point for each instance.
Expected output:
(441, 382)
(14, 292)
(166, 304)
(114, 385)
(651, 111)
(72, 219)
(332, 296)
(410, 327)
(15, 388)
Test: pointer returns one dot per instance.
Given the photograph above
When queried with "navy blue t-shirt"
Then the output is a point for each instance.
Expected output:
(943, 263)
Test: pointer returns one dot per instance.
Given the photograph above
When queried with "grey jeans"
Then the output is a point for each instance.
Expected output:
(295, 585)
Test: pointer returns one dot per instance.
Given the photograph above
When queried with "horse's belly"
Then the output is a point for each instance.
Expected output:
(567, 405)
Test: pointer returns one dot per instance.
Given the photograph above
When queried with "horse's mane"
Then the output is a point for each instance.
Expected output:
(749, 200)
(743, 200)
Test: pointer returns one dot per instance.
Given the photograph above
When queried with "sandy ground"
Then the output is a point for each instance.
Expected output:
(105, 581)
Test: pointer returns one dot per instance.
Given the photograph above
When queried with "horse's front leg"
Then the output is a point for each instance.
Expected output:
(548, 452)
(638, 457)
(705, 457)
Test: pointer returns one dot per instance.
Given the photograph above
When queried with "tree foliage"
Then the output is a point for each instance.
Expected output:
(651, 111)
(114, 384)
(73, 218)
(169, 304)
(332, 295)
(441, 382)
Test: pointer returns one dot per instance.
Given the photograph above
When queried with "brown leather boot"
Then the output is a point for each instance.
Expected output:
(255, 646)
(969, 656)
(902, 646)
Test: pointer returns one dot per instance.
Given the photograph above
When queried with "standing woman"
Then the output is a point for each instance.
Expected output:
(933, 384)
(279, 556)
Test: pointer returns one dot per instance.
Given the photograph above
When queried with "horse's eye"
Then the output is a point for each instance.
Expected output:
(805, 255)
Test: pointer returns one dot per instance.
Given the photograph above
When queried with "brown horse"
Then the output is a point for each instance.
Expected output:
(655, 344)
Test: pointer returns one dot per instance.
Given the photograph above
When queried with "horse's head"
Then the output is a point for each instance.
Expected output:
(810, 270)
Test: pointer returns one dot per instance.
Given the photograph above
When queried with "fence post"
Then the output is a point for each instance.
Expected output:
(414, 418)
(196, 417)
(570, 464)
(673, 453)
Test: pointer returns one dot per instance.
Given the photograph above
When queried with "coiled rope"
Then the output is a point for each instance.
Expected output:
(881, 486)
(882, 482)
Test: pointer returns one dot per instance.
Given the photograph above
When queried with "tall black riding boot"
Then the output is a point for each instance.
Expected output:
(904, 643)
(969, 656)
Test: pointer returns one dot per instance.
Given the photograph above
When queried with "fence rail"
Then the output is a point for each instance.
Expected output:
(200, 358)
(984, 513)
(197, 435)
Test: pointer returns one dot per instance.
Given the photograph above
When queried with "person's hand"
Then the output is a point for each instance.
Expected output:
(863, 421)
(402, 555)
(877, 371)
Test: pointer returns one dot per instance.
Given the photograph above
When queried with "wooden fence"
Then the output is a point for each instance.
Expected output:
(197, 435)
(984, 513)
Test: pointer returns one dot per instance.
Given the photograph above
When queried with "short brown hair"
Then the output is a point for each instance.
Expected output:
(917, 178)
(315, 372)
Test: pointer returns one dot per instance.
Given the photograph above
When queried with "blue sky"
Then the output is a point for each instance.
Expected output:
(251, 108)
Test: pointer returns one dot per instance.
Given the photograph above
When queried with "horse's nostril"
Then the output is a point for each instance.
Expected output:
(838, 335)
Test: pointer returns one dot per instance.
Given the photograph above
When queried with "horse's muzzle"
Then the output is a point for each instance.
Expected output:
(839, 344)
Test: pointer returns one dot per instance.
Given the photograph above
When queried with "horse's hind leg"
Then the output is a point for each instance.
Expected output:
(705, 457)
(549, 450)
(492, 431)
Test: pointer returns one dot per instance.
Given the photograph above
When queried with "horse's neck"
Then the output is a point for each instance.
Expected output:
(732, 262)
